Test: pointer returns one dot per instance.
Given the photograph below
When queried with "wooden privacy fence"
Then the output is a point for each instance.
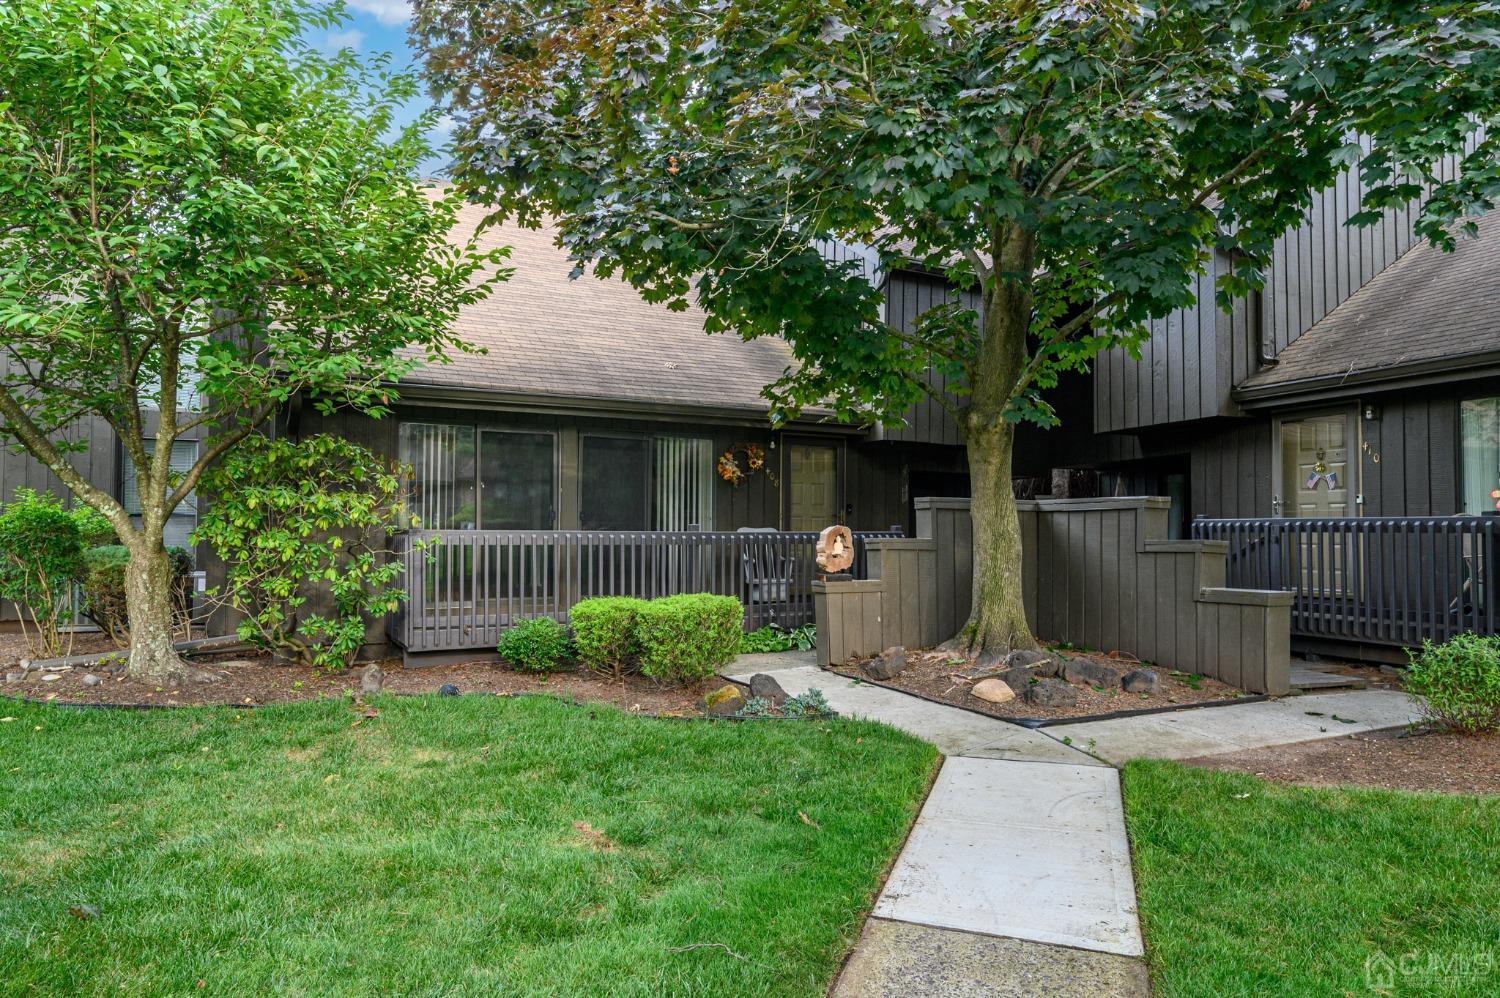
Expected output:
(1377, 580)
(465, 586)
(1099, 573)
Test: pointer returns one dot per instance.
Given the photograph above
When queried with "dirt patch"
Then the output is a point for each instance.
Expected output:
(934, 675)
(1396, 760)
(252, 682)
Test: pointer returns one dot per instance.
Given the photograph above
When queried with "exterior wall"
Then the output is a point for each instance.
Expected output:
(908, 295)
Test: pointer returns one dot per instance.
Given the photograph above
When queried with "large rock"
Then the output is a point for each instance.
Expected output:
(371, 679)
(725, 700)
(993, 691)
(888, 664)
(1089, 672)
(1141, 681)
(1026, 658)
(1050, 693)
(1019, 678)
(767, 688)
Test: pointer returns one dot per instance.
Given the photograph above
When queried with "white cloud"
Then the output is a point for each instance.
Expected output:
(444, 126)
(392, 12)
(351, 38)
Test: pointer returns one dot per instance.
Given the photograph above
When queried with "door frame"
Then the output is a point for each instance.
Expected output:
(1352, 412)
(784, 469)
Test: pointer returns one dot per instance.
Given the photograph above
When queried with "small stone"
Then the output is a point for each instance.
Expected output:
(1050, 693)
(14, 677)
(235, 663)
(371, 679)
(90, 679)
(1141, 681)
(888, 664)
(768, 689)
(51, 677)
(725, 700)
(993, 691)
(1088, 672)
(447, 690)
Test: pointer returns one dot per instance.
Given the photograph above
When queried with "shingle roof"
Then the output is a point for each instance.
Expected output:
(1428, 306)
(595, 339)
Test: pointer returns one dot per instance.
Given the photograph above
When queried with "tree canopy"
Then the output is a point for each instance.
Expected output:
(202, 218)
(703, 148)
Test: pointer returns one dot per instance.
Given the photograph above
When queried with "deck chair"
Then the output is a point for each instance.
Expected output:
(769, 573)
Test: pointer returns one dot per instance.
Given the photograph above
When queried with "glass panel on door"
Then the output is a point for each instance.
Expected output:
(615, 475)
(517, 480)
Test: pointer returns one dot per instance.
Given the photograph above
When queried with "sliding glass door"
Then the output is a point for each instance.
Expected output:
(614, 475)
(517, 480)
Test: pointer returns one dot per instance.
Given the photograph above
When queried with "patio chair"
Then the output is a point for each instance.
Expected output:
(769, 570)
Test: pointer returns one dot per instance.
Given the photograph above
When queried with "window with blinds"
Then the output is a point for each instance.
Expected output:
(185, 517)
(684, 476)
(440, 462)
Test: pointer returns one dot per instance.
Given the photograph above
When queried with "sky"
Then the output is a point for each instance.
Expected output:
(380, 26)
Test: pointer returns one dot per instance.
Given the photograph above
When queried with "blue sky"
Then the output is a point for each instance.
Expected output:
(380, 26)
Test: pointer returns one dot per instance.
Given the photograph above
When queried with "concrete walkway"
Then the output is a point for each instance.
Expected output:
(1016, 877)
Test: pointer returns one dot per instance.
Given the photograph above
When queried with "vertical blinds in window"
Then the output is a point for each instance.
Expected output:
(1480, 429)
(684, 483)
(440, 463)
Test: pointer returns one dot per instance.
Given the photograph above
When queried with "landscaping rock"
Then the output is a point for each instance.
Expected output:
(993, 691)
(51, 677)
(371, 679)
(234, 663)
(888, 664)
(725, 700)
(1050, 693)
(1088, 672)
(1026, 658)
(14, 677)
(447, 690)
(90, 679)
(1141, 681)
(1019, 678)
(768, 689)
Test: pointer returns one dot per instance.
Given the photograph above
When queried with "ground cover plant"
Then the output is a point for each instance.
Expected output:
(1248, 887)
(440, 845)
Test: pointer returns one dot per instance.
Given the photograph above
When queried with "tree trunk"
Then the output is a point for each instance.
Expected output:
(148, 599)
(997, 617)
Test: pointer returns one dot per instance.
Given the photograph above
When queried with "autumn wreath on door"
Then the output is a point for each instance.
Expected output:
(741, 461)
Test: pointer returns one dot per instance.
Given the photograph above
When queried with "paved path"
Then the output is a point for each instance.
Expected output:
(1016, 877)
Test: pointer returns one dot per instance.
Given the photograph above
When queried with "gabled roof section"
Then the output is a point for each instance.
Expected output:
(1427, 312)
(592, 340)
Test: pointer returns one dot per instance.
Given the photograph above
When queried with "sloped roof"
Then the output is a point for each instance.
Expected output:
(1429, 308)
(595, 339)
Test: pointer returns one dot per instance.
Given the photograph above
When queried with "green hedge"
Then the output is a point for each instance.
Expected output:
(604, 633)
(690, 636)
(1459, 681)
(536, 645)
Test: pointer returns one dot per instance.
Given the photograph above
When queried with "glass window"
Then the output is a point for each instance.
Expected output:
(684, 483)
(1480, 432)
(517, 480)
(439, 463)
(185, 517)
(614, 475)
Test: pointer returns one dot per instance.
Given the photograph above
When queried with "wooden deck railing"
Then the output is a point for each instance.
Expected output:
(465, 586)
(1381, 580)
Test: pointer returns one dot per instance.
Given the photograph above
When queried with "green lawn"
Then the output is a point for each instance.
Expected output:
(1253, 888)
(434, 849)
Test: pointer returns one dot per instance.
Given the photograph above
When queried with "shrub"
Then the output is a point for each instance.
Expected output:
(1460, 681)
(536, 645)
(41, 555)
(689, 636)
(298, 522)
(102, 588)
(604, 636)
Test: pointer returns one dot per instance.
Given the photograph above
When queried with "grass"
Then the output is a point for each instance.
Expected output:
(446, 846)
(1253, 888)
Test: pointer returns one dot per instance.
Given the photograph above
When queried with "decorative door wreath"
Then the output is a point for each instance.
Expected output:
(734, 471)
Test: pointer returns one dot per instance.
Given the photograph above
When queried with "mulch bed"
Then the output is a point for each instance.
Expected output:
(930, 674)
(1396, 760)
(251, 682)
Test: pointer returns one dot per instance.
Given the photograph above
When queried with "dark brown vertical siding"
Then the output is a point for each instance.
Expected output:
(1410, 457)
(908, 296)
